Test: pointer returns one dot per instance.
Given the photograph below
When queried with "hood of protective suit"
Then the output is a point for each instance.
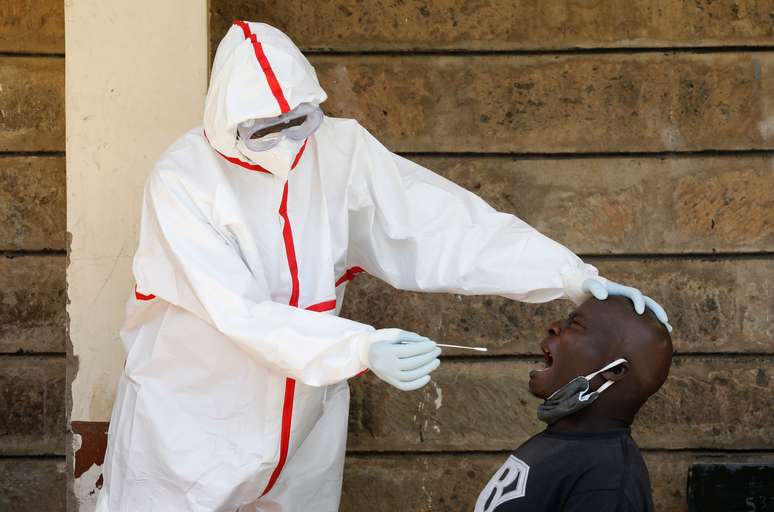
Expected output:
(258, 72)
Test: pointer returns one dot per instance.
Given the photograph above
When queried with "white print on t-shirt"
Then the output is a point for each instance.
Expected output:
(508, 483)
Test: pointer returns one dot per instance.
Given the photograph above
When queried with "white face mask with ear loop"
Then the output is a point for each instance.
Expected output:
(574, 395)
(278, 159)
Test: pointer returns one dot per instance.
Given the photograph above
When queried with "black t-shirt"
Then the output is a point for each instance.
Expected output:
(571, 472)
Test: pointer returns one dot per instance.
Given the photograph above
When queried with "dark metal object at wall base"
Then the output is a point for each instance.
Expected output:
(731, 487)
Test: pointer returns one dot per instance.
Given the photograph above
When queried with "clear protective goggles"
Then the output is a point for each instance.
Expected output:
(264, 134)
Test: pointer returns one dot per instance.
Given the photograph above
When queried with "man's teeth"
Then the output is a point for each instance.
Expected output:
(548, 360)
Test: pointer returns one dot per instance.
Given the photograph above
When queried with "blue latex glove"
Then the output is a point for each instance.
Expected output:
(402, 359)
(602, 290)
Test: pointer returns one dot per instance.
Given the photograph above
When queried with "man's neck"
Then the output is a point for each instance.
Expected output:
(587, 423)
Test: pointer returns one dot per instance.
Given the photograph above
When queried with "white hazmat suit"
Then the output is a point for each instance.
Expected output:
(234, 394)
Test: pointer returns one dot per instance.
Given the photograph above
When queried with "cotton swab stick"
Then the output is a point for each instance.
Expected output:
(477, 349)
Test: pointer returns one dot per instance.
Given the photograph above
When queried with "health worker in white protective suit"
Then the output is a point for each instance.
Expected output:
(234, 395)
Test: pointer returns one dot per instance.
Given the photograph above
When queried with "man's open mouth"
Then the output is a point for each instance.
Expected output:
(548, 359)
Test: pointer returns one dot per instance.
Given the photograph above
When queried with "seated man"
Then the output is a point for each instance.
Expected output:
(601, 365)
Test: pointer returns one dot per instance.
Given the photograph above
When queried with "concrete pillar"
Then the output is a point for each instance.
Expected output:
(136, 76)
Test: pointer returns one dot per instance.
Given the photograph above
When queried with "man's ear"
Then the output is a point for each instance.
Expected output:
(617, 373)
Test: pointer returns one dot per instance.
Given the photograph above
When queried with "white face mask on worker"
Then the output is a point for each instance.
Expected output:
(276, 160)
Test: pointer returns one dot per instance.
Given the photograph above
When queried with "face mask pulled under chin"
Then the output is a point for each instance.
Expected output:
(573, 396)
(278, 159)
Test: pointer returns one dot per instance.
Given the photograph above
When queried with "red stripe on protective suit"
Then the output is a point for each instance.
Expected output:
(256, 167)
(271, 78)
(287, 235)
(236, 161)
(142, 296)
(290, 384)
(323, 306)
(290, 250)
(349, 275)
(298, 155)
(246, 165)
(287, 418)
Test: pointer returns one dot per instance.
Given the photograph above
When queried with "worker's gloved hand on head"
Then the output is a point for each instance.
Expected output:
(603, 289)
(401, 358)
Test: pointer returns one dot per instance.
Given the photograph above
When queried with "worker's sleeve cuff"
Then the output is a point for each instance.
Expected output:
(363, 341)
(573, 277)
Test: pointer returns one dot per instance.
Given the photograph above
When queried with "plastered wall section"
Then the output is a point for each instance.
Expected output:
(136, 76)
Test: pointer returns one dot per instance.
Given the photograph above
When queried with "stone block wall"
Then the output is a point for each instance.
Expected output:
(32, 256)
(638, 133)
